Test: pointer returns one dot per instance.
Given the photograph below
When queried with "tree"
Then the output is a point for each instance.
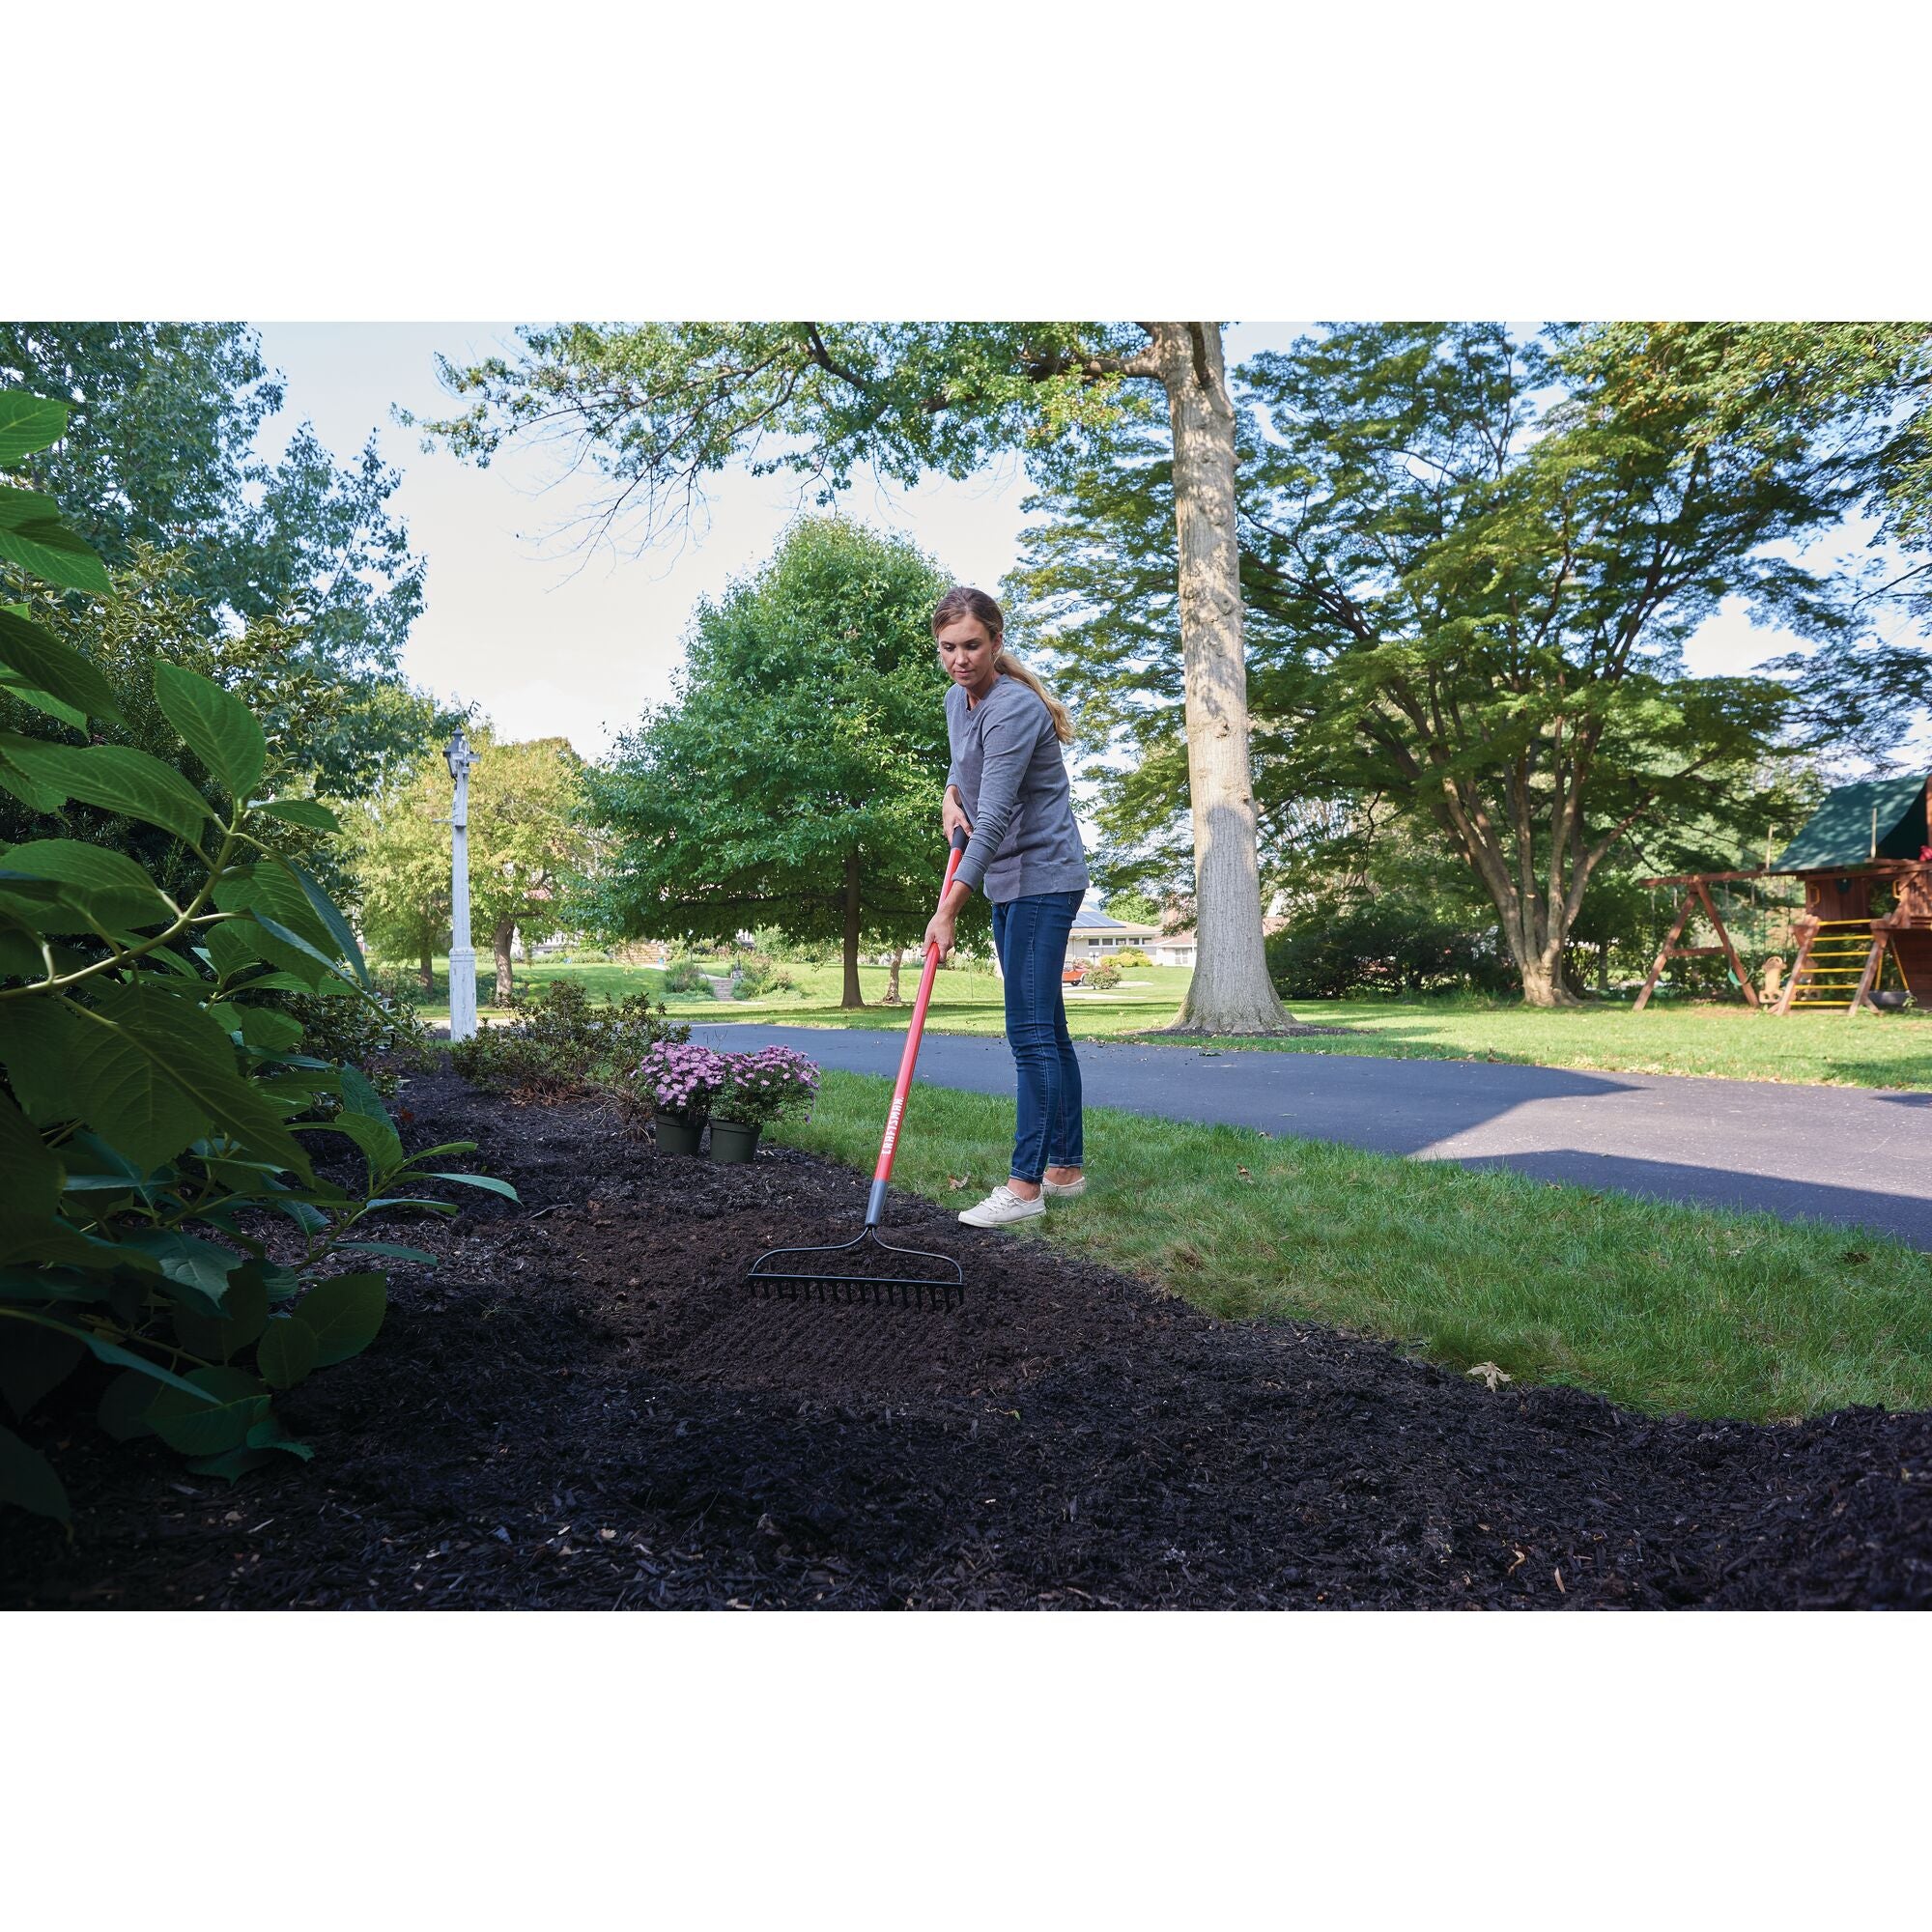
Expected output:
(1855, 400)
(529, 845)
(327, 734)
(1471, 566)
(658, 407)
(794, 783)
(158, 453)
(396, 848)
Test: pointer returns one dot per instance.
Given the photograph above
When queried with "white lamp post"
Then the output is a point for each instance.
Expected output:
(462, 954)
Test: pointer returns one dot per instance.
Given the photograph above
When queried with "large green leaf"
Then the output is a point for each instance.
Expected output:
(265, 1027)
(330, 914)
(19, 955)
(68, 715)
(39, 1038)
(300, 812)
(30, 1171)
(27, 1479)
(270, 1434)
(20, 507)
(330, 986)
(34, 1286)
(377, 1140)
(28, 789)
(246, 1305)
(264, 1438)
(344, 1315)
(232, 946)
(219, 728)
(199, 1268)
(282, 927)
(55, 667)
(116, 1356)
(28, 423)
(48, 549)
(287, 1352)
(124, 1405)
(127, 1092)
(107, 884)
(186, 1043)
(271, 893)
(229, 1403)
(116, 778)
(487, 1181)
(361, 1098)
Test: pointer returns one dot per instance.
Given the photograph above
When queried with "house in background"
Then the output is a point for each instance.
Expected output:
(1095, 936)
(1178, 948)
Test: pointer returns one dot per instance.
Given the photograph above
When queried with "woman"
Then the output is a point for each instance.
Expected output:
(1008, 788)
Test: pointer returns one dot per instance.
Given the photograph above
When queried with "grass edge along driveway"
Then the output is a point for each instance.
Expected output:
(1882, 1050)
(1661, 1309)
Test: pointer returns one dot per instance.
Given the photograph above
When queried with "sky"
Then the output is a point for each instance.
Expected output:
(552, 641)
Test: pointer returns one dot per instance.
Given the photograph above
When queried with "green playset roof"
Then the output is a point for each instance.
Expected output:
(1841, 831)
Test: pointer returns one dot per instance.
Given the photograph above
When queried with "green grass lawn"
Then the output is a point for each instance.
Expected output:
(1660, 1308)
(1872, 1050)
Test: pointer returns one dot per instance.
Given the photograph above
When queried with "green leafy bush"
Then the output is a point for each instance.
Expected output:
(382, 1035)
(686, 975)
(403, 985)
(561, 1044)
(1386, 943)
(759, 977)
(1131, 956)
(1106, 974)
(151, 1129)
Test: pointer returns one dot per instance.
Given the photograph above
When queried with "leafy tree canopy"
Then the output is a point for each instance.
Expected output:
(1470, 564)
(158, 452)
(659, 406)
(530, 845)
(795, 781)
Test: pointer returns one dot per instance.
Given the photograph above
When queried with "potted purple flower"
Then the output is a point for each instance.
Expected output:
(767, 1085)
(680, 1081)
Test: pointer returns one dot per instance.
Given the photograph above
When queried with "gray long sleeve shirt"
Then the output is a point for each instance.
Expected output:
(1011, 777)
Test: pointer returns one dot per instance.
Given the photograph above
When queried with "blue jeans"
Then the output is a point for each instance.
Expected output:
(1031, 934)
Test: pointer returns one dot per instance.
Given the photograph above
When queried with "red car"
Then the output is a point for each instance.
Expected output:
(1071, 976)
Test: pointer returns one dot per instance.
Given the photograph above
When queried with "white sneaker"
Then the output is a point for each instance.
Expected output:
(1064, 1190)
(1002, 1206)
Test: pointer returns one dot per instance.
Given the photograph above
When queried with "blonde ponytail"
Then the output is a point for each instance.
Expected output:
(1008, 665)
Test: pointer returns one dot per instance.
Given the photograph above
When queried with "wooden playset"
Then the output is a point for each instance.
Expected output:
(1865, 858)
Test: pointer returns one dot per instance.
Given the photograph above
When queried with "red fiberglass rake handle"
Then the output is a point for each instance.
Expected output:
(875, 1203)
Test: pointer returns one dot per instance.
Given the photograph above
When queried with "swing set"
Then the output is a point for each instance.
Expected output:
(1864, 844)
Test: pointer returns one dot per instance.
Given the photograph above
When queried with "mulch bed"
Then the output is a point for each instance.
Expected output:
(583, 1407)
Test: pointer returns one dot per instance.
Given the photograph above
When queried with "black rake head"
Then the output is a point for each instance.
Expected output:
(776, 1275)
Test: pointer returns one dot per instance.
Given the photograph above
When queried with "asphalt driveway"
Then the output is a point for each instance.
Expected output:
(1853, 1155)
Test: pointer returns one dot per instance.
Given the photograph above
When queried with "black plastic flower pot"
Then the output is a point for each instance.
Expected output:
(734, 1142)
(677, 1136)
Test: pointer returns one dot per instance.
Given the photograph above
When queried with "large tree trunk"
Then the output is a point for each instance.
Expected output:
(1535, 915)
(499, 941)
(892, 998)
(1536, 944)
(852, 996)
(1542, 983)
(1231, 992)
(427, 968)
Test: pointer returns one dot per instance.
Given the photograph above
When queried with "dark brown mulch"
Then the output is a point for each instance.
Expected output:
(583, 1407)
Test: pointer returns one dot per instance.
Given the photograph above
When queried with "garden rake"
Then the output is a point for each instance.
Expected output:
(804, 1273)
